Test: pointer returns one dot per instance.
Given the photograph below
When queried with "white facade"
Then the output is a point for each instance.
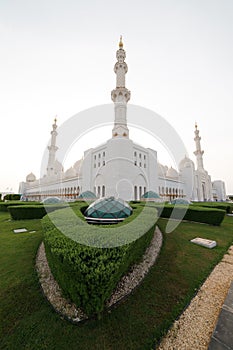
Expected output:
(120, 167)
(219, 190)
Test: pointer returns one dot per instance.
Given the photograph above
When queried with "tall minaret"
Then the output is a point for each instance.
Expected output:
(198, 153)
(52, 150)
(120, 95)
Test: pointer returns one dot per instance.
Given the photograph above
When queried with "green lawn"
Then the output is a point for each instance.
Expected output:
(27, 321)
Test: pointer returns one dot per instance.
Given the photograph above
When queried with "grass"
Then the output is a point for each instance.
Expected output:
(27, 321)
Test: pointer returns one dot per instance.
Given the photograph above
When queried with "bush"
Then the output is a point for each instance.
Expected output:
(88, 274)
(12, 197)
(205, 215)
(216, 205)
(4, 205)
(25, 212)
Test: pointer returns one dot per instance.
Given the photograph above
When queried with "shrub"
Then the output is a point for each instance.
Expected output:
(88, 274)
(206, 215)
(25, 212)
(4, 205)
(216, 205)
(12, 197)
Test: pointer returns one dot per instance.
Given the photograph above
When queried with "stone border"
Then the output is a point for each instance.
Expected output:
(125, 286)
(194, 328)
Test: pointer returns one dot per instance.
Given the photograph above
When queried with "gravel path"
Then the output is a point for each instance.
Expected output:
(195, 326)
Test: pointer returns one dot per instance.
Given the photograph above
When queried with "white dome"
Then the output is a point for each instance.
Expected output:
(77, 166)
(162, 169)
(31, 177)
(58, 167)
(70, 173)
(172, 173)
(186, 163)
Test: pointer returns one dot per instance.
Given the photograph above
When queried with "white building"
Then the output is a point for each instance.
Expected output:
(120, 167)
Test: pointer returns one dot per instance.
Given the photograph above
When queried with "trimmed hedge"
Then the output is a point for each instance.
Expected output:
(4, 205)
(203, 214)
(88, 274)
(217, 205)
(25, 212)
(12, 197)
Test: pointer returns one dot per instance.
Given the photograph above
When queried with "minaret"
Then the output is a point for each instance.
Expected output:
(198, 153)
(52, 150)
(120, 95)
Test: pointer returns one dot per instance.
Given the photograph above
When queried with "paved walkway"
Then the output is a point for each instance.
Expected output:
(195, 327)
(222, 337)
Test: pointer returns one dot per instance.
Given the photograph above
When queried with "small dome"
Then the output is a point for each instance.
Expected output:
(151, 195)
(52, 200)
(58, 167)
(109, 210)
(87, 195)
(180, 201)
(77, 166)
(162, 169)
(70, 173)
(172, 173)
(31, 177)
(186, 163)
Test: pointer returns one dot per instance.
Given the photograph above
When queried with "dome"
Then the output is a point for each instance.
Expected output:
(31, 177)
(108, 210)
(162, 169)
(186, 163)
(70, 173)
(180, 201)
(77, 166)
(172, 173)
(87, 195)
(151, 195)
(58, 167)
(51, 200)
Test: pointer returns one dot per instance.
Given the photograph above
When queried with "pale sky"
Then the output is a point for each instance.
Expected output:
(57, 58)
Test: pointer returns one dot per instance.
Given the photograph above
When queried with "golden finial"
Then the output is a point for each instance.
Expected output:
(121, 43)
(196, 125)
(55, 120)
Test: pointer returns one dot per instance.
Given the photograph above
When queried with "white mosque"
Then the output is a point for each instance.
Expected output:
(122, 168)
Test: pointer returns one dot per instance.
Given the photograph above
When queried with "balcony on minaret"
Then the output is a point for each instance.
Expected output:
(120, 95)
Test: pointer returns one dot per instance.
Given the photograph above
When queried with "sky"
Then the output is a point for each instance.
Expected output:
(57, 59)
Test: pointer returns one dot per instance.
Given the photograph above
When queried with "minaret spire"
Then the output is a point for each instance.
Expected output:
(120, 95)
(198, 153)
(52, 150)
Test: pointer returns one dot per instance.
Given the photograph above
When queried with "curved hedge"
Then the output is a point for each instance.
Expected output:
(203, 214)
(87, 274)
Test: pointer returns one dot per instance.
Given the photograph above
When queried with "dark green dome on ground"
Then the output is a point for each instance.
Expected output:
(109, 209)
(151, 194)
(180, 201)
(87, 195)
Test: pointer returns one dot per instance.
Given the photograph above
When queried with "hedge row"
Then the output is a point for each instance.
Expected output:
(205, 215)
(25, 212)
(12, 197)
(4, 205)
(88, 274)
(223, 206)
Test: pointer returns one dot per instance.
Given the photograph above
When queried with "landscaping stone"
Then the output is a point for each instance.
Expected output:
(19, 230)
(204, 242)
